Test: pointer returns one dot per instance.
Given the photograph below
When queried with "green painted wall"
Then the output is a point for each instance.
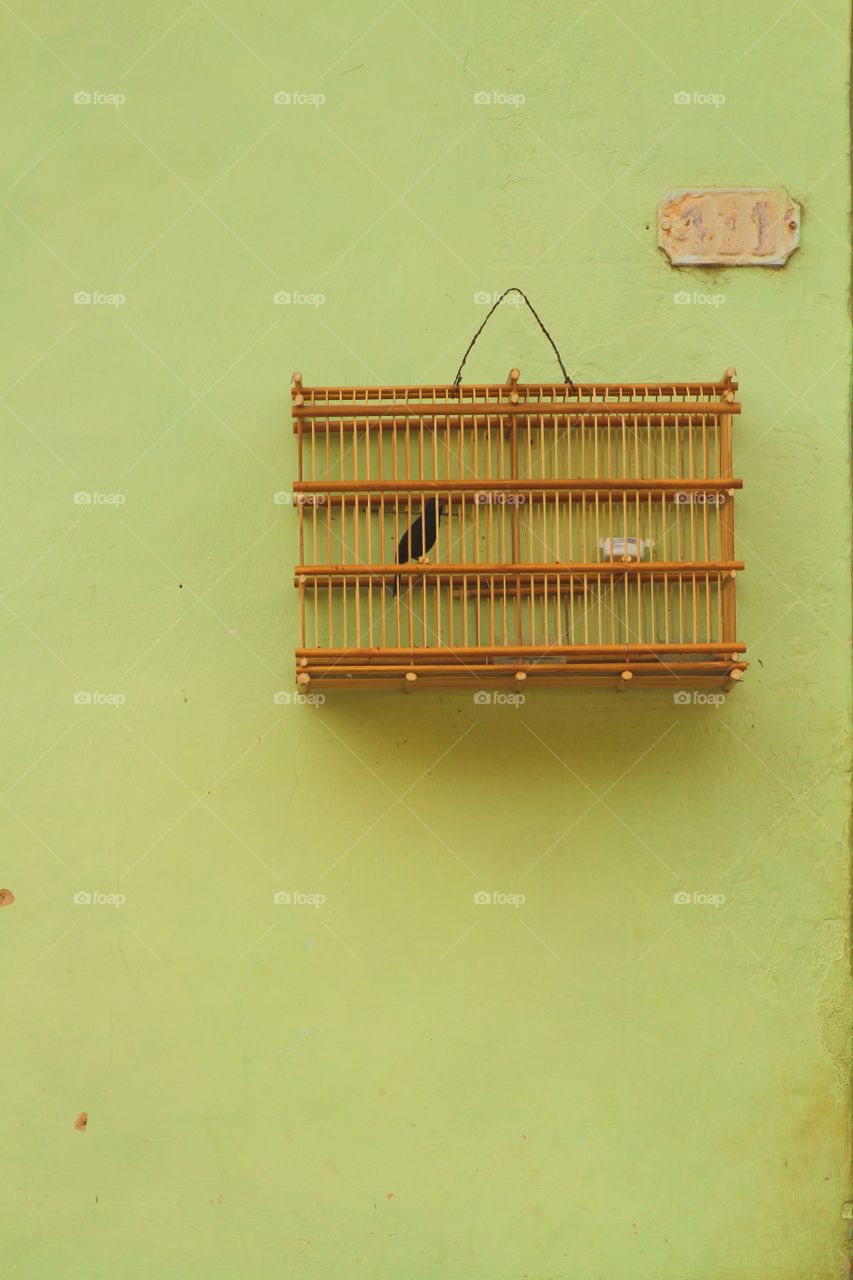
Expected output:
(400, 1083)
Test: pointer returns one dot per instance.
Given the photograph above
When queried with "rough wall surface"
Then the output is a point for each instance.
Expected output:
(600, 1082)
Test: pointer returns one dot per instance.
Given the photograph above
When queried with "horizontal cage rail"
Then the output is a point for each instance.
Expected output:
(628, 652)
(589, 485)
(486, 412)
(365, 500)
(452, 572)
(531, 668)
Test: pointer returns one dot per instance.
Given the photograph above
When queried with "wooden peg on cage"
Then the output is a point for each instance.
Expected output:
(730, 384)
(625, 678)
(298, 398)
(409, 682)
(512, 380)
(303, 679)
(521, 676)
(734, 678)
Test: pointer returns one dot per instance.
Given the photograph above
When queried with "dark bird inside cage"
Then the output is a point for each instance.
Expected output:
(420, 537)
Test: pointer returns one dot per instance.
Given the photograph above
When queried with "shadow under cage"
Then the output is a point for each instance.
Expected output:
(491, 535)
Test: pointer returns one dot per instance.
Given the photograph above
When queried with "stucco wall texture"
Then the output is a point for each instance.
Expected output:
(398, 1082)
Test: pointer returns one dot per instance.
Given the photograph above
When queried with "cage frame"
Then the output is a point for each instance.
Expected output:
(384, 413)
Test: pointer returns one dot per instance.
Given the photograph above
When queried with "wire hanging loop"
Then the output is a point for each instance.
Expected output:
(458, 379)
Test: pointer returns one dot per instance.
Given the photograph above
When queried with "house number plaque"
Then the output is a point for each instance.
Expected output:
(738, 227)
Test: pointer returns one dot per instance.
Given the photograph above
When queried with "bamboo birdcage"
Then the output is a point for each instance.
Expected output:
(587, 535)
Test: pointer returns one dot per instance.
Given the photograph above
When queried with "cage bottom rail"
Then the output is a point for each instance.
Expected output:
(509, 670)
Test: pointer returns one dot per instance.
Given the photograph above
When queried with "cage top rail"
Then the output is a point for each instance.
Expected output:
(673, 393)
